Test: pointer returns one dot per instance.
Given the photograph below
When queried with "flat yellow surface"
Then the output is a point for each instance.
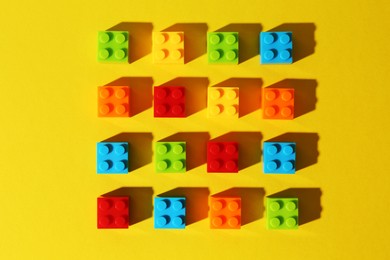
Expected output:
(49, 128)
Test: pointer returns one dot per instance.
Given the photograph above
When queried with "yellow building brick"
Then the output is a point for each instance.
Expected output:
(223, 102)
(168, 47)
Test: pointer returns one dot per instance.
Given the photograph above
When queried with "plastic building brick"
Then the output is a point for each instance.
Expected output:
(222, 157)
(113, 46)
(112, 157)
(113, 212)
(114, 101)
(169, 213)
(276, 47)
(223, 102)
(222, 47)
(279, 157)
(225, 212)
(169, 102)
(282, 213)
(170, 157)
(168, 47)
(278, 103)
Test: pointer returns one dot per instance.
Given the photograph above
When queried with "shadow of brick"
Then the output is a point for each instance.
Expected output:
(249, 146)
(140, 92)
(140, 148)
(252, 202)
(140, 38)
(194, 39)
(309, 204)
(250, 93)
(196, 92)
(196, 202)
(303, 38)
(248, 38)
(195, 144)
(306, 147)
(304, 94)
(140, 202)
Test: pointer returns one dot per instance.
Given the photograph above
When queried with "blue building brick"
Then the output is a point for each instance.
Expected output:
(169, 213)
(112, 157)
(279, 157)
(276, 48)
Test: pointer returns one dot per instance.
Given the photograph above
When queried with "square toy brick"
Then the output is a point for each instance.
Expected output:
(278, 103)
(222, 157)
(279, 157)
(112, 157)
(169, 213)
(225, 212)
(113, 46)
(282, 213)
(168, 47)
(113, 212)
(222, 47)
(276, 47)
(170, 157)
(169, 102)
(223, 102)
(114, 101)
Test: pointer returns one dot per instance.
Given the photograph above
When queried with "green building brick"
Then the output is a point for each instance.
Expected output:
(113, 46)
(282, 213)
(170, 157)
(222, 47)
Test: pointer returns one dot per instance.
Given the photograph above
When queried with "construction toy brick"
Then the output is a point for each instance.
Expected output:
(222, 47)
(169, 102)
(223, 102)
(168, 47)
(170, 157)
(279, 157)
(170, 213)
(113, 46)
(112, 157)
(276, 47)
(278, 103)
(114, 101)
(113, 212)
(282, 213)
(222, 157)
(225, 212)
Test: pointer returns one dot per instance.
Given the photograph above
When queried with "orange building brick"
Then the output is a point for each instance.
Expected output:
(225, 212)
(114, 101)
(278, 103)
(168, 47)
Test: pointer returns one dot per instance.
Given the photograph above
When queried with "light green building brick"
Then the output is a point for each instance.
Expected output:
(222, 47)
(282, 213)
(170, 157)
(113, 46)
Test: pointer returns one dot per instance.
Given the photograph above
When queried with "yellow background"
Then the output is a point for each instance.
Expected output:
(49, 129)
